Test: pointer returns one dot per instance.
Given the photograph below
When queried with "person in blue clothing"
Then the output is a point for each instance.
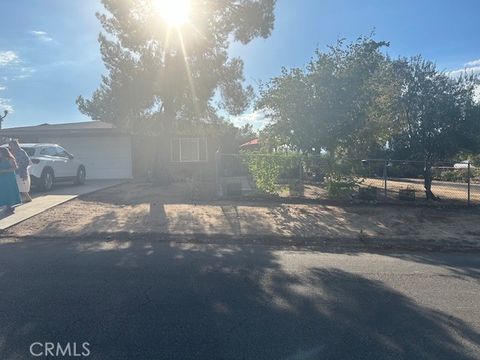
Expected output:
(23, 163)
(9, 193)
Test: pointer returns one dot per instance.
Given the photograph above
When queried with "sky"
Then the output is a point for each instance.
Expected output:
(49, 54)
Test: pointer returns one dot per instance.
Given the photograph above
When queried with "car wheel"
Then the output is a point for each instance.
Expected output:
(81, 176)
(47, 180)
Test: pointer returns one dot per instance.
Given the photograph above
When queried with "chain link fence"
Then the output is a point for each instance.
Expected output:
(354, 180)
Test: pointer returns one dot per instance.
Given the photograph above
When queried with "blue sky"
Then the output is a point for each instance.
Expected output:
(49, 52)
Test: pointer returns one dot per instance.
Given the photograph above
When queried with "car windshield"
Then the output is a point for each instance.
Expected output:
(29, 151)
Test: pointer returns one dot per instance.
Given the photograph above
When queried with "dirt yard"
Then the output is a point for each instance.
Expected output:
(455, 193)
(143, 208)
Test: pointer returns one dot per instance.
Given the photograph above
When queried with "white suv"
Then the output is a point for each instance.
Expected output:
(52, 164)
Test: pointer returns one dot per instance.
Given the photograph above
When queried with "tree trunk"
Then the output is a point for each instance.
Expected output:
(3, 118)
(427, 174)
(166, 120)
(161, 170)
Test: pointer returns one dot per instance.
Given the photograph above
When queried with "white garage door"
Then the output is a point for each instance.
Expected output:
(103, 157)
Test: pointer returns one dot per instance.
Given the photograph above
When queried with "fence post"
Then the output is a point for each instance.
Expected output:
(469, 185)
(217, 174)
(385, 175)
(300, 168)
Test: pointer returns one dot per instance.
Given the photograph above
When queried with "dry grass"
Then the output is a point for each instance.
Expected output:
(454, 193)
(141, 208)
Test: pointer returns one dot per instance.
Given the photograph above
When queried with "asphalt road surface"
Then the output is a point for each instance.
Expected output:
(153, 300)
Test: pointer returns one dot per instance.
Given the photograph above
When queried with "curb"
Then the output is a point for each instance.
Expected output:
(285, 242)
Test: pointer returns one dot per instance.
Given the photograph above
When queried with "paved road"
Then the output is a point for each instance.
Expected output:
(152, 300)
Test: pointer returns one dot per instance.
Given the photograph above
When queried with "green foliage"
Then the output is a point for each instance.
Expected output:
(436, 115)
(354, 101)
(451, 175)
(341, 187)
(472, 156)
(329, 103)
(341, 180)
(156, 75)
(368, 193)
(292, 165)
(266, 169)
(230, 136)
(456, 175)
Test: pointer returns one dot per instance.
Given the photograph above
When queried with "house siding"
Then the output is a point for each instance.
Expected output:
(145, 148)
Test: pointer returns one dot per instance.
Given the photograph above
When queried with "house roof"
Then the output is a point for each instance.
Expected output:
(80, 128)
(251, 144)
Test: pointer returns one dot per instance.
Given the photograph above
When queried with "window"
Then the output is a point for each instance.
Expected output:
(189, 149)
(62, 153)
(49, 151)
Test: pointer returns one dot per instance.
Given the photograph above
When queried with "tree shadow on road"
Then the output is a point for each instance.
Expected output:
(153, 300)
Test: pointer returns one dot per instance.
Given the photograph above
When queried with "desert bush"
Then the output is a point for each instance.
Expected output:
(291, 166)
(458, 175)
(340, 187)
(266, 169)
(368, 193)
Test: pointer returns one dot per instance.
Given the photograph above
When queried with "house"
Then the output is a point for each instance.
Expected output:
(110, 153)
(105, 151)
(189, 153)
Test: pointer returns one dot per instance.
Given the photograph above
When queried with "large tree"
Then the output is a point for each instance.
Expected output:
(355, 101)
(331, 103)
(161, 69)
(436, 115)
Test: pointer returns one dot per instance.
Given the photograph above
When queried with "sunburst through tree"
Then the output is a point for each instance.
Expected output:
(169, 60)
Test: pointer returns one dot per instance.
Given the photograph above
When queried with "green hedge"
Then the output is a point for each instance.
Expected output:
(267, 168)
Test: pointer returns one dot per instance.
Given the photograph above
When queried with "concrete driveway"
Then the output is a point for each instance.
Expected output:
(60, 194)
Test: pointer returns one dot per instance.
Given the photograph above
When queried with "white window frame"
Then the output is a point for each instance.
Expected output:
(180, 149)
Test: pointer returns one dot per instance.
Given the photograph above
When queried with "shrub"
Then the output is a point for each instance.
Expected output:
(368, 193)
(340, 187)
(291, 166)
(266, 169)
(458, 175)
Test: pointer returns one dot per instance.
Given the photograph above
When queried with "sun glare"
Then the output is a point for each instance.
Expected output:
(174, 12)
